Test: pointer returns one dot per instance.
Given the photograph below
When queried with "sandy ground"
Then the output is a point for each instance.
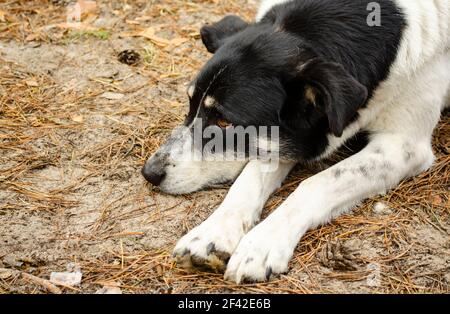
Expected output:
(76, 125)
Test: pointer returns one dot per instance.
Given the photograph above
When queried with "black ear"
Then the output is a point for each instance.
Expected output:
(335, 90)
(214, 35)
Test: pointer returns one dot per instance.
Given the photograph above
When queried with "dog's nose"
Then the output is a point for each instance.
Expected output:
(153, 174)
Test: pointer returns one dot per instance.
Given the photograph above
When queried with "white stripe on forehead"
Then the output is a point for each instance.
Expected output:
(205, 96)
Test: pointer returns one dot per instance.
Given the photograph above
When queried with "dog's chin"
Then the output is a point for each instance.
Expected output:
(180, 187)
(175, 190)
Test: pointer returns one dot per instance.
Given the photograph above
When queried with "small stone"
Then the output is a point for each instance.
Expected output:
(66, 278)
(381, 209)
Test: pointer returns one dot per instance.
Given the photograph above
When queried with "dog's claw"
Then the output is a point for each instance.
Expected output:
(214, 261)
(208, 247)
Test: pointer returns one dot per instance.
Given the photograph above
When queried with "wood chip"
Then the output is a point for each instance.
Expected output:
(81, 9)
(78, 118)
(112, 96)
(2, 16)
(32, 37)
(32, 83)
(107, 289)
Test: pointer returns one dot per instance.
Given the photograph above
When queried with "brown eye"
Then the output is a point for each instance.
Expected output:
(223, 123)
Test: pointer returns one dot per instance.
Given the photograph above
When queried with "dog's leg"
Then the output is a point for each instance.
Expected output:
(268, 247)
(210, 245)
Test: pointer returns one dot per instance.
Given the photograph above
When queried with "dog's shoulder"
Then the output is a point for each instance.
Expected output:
(426, 35)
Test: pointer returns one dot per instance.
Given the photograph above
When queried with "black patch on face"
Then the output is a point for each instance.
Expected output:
(260, 73)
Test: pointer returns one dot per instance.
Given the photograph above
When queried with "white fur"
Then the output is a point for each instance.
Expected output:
(401, 117)
(266, 5)
(234, 217)
(187, 171)
(416, 57)
(317, 200)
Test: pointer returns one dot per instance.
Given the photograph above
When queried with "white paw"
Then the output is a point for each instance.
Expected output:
(209, 246)
(262, 253)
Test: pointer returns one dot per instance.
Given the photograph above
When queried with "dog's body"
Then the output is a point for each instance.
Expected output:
(390, 81)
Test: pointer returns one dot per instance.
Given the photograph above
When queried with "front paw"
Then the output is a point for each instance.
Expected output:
(209, 246)
(260, 255)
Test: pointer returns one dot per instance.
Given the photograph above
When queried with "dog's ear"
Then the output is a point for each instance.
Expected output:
(330, 89)
(214, 35)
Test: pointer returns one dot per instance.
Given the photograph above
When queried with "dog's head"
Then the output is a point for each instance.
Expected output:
(260, 76)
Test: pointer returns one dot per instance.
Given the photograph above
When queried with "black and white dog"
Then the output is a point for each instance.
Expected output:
(322, 74)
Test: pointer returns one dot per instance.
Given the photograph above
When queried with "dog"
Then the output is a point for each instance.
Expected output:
(322, 72)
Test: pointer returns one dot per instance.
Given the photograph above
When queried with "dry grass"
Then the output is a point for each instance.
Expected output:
(45, 125)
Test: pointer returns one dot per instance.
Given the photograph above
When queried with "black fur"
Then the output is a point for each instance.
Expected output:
(212, 35)
(260, 72)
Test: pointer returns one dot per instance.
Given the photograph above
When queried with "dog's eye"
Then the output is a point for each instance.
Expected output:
(223, 123)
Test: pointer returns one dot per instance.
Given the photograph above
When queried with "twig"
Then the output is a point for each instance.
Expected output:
(42, 282)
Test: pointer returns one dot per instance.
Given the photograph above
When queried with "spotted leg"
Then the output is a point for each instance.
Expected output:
(268, 247)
